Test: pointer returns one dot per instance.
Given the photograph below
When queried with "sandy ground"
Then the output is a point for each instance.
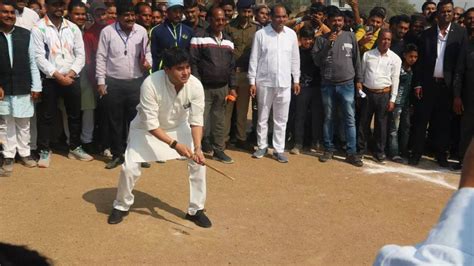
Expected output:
(304, 212)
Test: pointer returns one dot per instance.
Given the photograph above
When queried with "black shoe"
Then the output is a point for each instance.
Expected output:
(355, 160)
(206, 147)
(222, 157)
(380, 158)
(145, 165)
(414, 159)
(116, 161)
(457, 166)
(90, 148)
(116, 216)
(443, 162)
(327, 155)
(200, 219)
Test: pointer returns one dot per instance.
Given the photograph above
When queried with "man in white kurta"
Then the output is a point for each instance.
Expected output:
(274, 60)
(168, 125)
(451, 241)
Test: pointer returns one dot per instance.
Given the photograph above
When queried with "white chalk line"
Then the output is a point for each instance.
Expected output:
(410, 171)
(417, 173)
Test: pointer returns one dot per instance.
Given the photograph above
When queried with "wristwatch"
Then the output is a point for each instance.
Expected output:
(173, 144)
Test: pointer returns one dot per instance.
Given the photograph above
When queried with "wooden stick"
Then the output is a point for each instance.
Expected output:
(219, 171)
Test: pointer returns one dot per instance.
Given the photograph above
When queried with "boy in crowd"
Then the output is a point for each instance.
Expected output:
(399, 125)
(310, 94)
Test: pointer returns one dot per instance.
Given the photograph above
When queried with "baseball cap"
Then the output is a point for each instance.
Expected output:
(173, 3)
(95, 5)
(245, 3)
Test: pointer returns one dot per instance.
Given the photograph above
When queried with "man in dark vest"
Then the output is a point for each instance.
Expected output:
(20, 85)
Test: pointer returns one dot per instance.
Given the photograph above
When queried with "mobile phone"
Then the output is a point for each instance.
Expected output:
(369, 29)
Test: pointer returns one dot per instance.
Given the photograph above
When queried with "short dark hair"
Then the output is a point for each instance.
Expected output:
(35, 2)
(378, 11)
(417, 17)
(124, 7)
(348, 14)
(190, 3)
(307, 32)
(75, 3)
(426, 4)
(279, 5)
(257, 8)
(156, 9)
(443, 3)
(8, 3)
(395, 20)
(175, 56)
(334, 11)
(139, 5)
(382, 32)
(411, 47)
(316, 8)
(227, 2)
(404, 18)
(468, 11)
(202, 8)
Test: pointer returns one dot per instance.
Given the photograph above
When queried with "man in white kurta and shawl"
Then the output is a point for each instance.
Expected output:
(168, 125)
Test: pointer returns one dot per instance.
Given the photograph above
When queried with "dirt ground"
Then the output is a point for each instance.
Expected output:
(304, 212)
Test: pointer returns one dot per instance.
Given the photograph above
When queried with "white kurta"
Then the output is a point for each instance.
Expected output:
(450, 242)
(161, 107)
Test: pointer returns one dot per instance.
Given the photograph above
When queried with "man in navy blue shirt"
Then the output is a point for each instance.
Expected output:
(172, 33)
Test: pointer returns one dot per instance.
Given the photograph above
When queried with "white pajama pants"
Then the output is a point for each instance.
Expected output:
(17, 136)
(131, 172)
(279, 99)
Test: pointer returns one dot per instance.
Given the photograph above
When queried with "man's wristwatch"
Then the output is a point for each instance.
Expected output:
(173, 144)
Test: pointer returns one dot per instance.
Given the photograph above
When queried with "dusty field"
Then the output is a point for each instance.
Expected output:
(304, 212)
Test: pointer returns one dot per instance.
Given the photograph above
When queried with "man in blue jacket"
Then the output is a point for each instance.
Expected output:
(172, 33)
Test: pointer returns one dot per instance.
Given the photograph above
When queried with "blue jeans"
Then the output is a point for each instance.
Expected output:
(399, 131)
(341, 95)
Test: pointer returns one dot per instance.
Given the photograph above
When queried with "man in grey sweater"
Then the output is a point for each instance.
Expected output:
(337, 55)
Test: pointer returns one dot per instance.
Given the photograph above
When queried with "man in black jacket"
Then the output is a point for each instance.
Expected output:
(439, 48)
(212, 52)
(464, 88)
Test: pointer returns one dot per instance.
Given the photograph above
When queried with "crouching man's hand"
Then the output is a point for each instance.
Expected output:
(183, 150)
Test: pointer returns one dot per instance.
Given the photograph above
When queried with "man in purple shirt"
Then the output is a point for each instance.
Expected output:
(122, 59)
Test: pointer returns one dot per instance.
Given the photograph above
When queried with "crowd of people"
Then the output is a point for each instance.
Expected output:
(71, 72)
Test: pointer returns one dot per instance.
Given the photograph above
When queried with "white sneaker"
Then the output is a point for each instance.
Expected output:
(44, 158)
(79, 154)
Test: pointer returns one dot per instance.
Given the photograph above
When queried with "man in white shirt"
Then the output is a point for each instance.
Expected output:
(381, 75)
(273, 61)
(168, 125)
(59, 53)
(25, 17)
(451, 241)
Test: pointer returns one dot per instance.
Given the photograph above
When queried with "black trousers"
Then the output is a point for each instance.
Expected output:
(119, 107)
(467, 129)
(435, 108)
(47, 110)
(309, 101)
(373, 104)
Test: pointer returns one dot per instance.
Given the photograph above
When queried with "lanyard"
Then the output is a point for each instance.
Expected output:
(176, 37)
(125, 41)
